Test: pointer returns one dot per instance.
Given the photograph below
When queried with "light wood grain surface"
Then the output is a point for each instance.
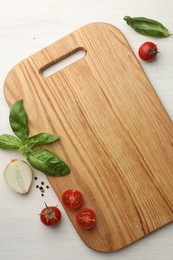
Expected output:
(25, 30)
(116, 136)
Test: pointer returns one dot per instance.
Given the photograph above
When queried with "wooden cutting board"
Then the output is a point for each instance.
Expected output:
(115, 134)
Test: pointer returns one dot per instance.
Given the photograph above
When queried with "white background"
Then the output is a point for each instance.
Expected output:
(27, 27)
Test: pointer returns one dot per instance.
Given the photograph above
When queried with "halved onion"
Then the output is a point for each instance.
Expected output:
(18, 175)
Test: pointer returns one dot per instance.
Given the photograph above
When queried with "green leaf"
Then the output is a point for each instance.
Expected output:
(9, 142)
(19, 120)
(147, 26)
(47, 162)
(24, 149)
(42, 138)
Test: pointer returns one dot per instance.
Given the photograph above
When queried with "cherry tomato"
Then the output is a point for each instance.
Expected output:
(72, 199)
(50, 216)
(86, 218)
(148, 51)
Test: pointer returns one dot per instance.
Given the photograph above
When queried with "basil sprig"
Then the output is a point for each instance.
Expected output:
(41, 159)
(147, 26)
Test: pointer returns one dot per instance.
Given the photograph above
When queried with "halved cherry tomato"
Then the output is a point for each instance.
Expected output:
(86, 218)
(50, 215)
(72, 199)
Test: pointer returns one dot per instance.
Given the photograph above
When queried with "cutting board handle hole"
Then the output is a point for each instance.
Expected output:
(63, 62)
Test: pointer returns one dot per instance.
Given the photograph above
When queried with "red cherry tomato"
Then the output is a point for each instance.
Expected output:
(86, 218)
(50, 216)
(148, 51)
(72, 199)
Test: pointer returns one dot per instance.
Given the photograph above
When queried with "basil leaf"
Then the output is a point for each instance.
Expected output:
(42, 138)
(19, 120)
(147, 26)
(9, 142)
(47, 162)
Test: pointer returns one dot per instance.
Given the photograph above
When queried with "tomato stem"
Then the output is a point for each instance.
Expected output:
(153, 51)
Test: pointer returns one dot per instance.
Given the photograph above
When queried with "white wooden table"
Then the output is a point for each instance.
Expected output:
(26, 27)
